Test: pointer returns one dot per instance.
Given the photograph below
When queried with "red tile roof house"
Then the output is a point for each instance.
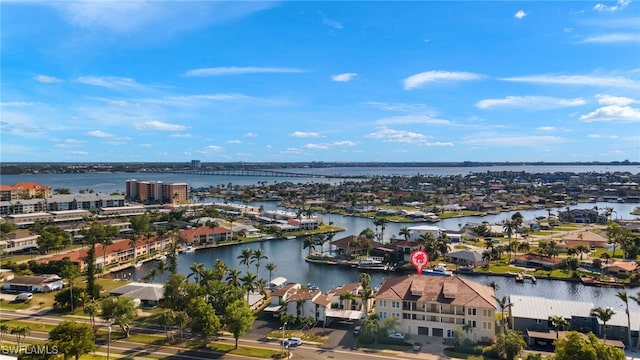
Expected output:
(204, 235)
(119, 252)
(622, 267)
(437, 306)
(308, 302)
(352, 245)
(336, 296)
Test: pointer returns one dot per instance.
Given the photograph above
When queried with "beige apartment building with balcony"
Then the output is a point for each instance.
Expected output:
(438, 305)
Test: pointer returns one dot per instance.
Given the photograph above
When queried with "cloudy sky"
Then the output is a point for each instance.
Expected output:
(320, 81)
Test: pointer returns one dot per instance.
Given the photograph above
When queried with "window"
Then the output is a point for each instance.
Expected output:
(383, 303)
(471, 311)
(472, 323)
(382, 314)
(395, 315)
(538, 321)
(395, 304)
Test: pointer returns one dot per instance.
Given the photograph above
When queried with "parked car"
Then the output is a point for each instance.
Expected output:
(356, 330)
(292, 342)
(397, 335)
(417, 346)
(26, 296)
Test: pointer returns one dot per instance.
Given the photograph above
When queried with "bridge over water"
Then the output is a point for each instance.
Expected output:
(260, 173)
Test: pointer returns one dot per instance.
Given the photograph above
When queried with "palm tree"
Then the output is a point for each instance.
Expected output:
(637, 300)
(4, 329)
(233, 278)
(231, 218)
(132, 242)
(622, 295)
(196, 270)
(249, 283)
(405, 232)
(523, 246)
(503, 303)
(494, 285)
(558, 322)
(309, 243)
(346, 299)
(245, 257)
(582, 249)
(257, 256)
(161, 266)
(271, 267)
(21, 331)
(366, 295)
(509, 228)
(105, 241)
(71, 273)
(604, 315)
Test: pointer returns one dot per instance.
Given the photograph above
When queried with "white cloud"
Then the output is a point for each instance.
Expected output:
(329, 145)
(302, 134)
(614, 100)
(621, 4)
(401, 107)
(437, 144)
(159, 125)
(250, 134)
(211, 149)
(412, 119)
(423, 78)
(45, 79)
(546, 128)
(587, 80)
(613, 113)
(611, 38)
(344, 143)
(600, 136)
(390, 135)
(513, 140)
(345, 77)
(100, 134)
(132, 16)
(16, 103)
(530, 102)
(181, 136)
(520, 14)
(316, 146)
(331, 23)
(234, 142)
(236, 70)
(110, 82)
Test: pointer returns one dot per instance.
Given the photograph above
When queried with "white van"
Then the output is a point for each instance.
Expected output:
(27, 296)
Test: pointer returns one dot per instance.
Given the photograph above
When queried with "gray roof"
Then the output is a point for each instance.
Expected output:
(531, 307)
(142, 291)
(466, 255)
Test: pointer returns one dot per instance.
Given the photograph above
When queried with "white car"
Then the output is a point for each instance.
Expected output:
(292, 342)
(26, 296)
(397, 335)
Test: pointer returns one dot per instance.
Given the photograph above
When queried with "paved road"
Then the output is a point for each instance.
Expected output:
(339, 346)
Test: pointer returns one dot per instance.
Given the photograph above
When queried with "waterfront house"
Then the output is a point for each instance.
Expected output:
(27, 283)
(584, 238)
(625, 268)
(355, 245)
(536, 261)
(339, 299)
(405, 248)
(308, 302)
(416, 232)
(23, 191)
(438, 305)
(205, 235)
(280, 296)
(465, 257)
(530, 315)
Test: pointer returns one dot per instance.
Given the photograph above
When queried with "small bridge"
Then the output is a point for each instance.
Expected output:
(255, 172)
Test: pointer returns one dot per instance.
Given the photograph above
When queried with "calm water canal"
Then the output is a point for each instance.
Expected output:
(289, 255)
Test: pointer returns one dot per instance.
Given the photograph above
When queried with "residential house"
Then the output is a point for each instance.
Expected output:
(355, 245)
(338, 300)
(145, 294)
(24, 190)
(19, 241)
(531, 260)
(466, 257)
(585, 238)
(43, 283)
(308, 302)
(530, 315)
(626, 268)
(438, 305)
(416, 232)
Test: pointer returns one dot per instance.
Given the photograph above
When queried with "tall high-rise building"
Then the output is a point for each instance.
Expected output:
(156, 191)
(195, 164)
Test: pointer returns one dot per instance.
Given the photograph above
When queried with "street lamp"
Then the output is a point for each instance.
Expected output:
(109, 343)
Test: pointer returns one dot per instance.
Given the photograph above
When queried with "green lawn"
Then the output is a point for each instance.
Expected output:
(456, 355)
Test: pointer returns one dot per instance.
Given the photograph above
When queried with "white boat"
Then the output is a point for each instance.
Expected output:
(439, 270)
(291, 237)
(137, 264)
(162, 257)
(189, 249)
(372, 265)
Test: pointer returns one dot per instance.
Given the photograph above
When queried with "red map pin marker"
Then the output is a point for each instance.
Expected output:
(419, 258)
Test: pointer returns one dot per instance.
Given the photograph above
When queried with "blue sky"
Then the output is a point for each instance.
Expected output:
(320, 81)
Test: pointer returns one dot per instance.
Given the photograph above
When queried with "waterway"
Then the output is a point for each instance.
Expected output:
(289, 255)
